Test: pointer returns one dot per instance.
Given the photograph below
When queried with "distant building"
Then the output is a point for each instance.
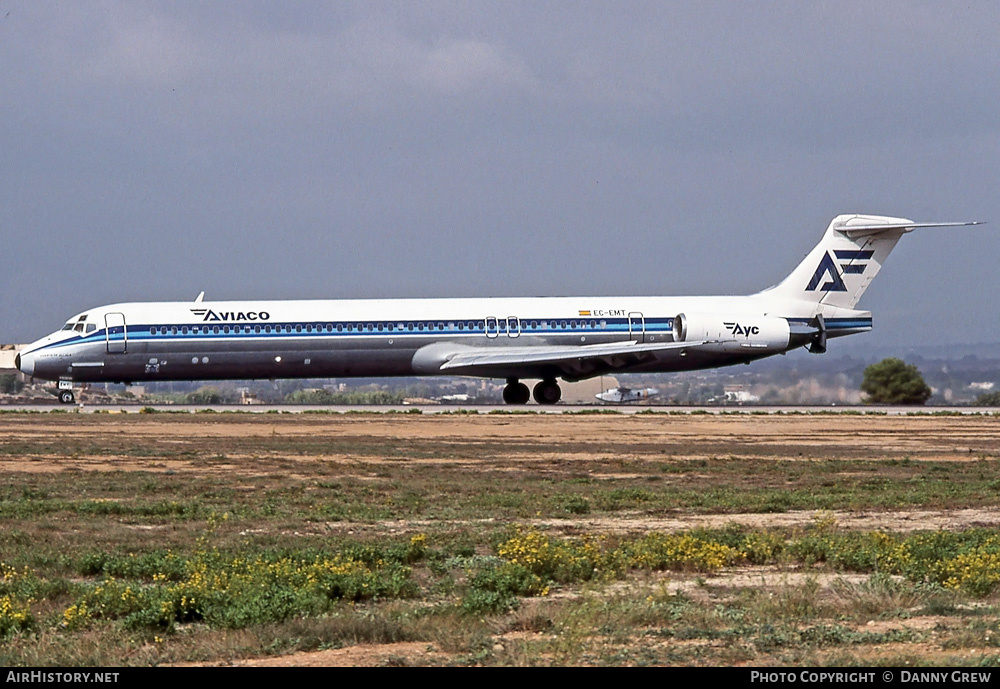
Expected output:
(7, 354)
(740, 396)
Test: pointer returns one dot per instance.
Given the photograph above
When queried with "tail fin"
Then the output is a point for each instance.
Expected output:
(840, 268)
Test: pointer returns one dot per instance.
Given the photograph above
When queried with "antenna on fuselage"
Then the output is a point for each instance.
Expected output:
(201, 295)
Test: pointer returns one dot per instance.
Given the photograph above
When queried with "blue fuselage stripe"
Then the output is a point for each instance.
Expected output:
(490, 328)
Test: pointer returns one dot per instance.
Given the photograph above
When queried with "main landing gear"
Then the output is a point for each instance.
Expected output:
(546, 392)
(515, 392)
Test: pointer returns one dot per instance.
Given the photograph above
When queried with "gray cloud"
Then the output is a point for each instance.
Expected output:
(155, 149)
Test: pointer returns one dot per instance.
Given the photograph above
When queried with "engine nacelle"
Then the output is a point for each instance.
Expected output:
(738, 333)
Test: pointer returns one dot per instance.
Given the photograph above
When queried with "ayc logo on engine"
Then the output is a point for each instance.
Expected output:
(742, 330)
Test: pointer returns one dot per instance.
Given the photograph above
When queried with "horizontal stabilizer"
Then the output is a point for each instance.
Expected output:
(866, 230)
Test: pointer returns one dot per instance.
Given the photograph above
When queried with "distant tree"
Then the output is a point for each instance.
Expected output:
(207, 395)
(352, 397)
(988, 399)
(892, 381)
(9, 384)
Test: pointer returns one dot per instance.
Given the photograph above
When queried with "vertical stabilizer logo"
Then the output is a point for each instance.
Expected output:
(855, 264)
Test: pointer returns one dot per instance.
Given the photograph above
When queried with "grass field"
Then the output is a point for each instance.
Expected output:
(499, 539)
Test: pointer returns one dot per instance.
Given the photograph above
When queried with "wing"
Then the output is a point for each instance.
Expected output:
(571, 363)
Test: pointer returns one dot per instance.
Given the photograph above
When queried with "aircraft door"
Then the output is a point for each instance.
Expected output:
(636, 327)
(513, 326)
(492, 327)
(116, 333)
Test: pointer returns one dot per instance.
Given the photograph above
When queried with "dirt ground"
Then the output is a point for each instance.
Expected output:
(59, 443)
(527, 440)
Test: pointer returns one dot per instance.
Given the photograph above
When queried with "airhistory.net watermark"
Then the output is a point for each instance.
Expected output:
(61, 677)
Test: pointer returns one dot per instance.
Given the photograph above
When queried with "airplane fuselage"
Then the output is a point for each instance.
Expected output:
(513, 338)
(342, 338)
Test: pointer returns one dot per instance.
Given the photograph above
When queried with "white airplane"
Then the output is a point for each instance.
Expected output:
(572, 338)
(625, 395)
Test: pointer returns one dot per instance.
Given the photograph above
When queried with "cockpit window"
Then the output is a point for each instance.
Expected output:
(78, 327)
(68, 326)
(91, 327)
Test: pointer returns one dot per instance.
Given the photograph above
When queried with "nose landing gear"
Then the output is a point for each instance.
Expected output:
(65, 392)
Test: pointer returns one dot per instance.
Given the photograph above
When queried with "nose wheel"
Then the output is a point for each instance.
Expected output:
(66, 396)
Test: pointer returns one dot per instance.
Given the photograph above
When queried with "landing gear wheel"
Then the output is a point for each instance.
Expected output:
(515, 392)
(547, 392)
(66, 396)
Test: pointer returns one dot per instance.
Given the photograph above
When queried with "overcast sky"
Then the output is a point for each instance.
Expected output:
(151, 150)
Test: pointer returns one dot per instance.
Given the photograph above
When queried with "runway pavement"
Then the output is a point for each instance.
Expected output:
(490, 409)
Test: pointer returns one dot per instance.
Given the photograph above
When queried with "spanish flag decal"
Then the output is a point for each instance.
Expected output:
(585, 313)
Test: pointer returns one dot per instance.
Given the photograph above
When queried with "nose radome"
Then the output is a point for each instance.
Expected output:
(25, 363)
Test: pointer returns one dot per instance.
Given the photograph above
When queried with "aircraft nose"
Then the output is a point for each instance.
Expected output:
(25, 363)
